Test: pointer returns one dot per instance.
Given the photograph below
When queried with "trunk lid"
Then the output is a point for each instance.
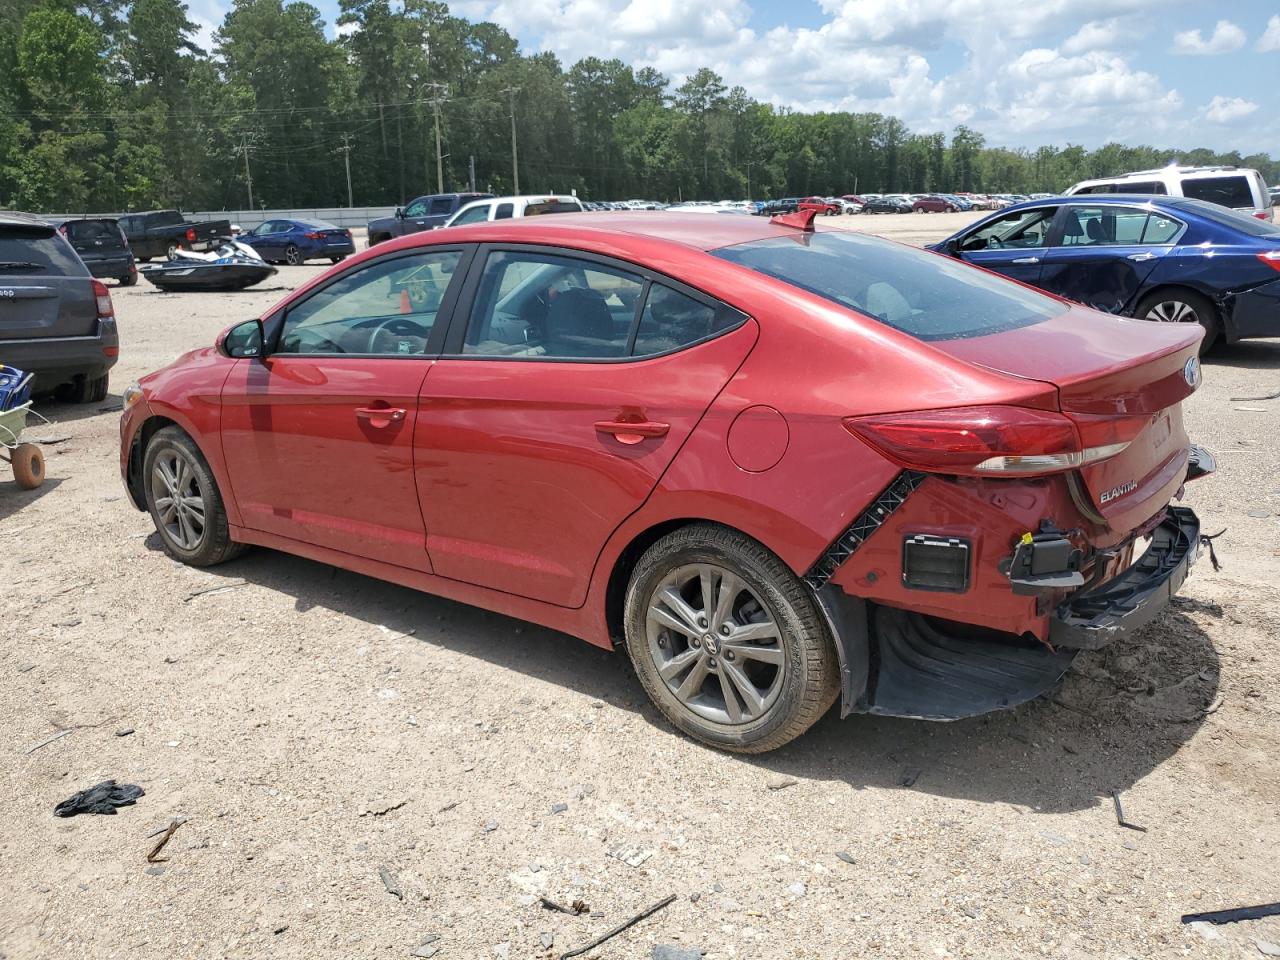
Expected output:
(45, 289)
(1120, 380)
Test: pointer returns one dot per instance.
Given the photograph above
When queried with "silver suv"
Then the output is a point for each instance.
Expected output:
(56, 321)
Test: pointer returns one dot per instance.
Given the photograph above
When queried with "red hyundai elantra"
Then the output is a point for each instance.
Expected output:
(778, 465)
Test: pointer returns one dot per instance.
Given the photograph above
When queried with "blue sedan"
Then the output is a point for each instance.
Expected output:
(1159, 258)
(297, 241)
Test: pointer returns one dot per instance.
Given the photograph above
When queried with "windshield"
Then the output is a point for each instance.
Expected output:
(922, 294)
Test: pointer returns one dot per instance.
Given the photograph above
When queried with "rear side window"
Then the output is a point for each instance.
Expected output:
(441, 205)
(36, 250)
(1107, 225)
(1231, 191)
(922, 294)
(504, 212)
(671, 320)
(165, 218)
(553, 206)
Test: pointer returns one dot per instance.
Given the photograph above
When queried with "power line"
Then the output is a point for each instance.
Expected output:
(346, 157)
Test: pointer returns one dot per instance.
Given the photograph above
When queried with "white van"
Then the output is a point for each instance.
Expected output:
(504, 208)
(1240, 188)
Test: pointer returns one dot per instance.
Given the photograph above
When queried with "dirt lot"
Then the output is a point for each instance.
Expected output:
(316, 727)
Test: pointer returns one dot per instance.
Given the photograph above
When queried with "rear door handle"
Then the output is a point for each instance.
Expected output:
(380, 417)
(632, 433)
(1140, 257)
(1026, 260)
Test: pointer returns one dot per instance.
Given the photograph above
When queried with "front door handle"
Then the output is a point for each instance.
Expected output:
(1140, 257)
(1026, 260)
(380, 417)
(632, 433)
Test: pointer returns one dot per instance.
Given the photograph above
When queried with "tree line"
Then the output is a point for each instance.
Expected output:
(112, 105)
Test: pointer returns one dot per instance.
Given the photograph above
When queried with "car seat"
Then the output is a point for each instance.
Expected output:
(1072, 229)
(579, 324)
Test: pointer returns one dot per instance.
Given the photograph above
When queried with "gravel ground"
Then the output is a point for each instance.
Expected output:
(364, 768)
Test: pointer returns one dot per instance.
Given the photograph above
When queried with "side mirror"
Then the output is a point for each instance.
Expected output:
(242, 341)
(399, 214)
(952, 247)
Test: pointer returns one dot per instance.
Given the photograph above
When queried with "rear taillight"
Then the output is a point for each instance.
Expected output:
(1271, 258)
(314, 236)
(191, 234)
(103, 296)
(1262, 214)
(981, 441)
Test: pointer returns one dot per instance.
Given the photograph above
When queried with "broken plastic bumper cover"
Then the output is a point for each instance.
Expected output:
(1094, 619)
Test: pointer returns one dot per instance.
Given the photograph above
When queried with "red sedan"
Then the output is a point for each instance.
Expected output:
(779, 466)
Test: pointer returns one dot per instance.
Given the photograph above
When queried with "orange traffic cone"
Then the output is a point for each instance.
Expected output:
(405, 305)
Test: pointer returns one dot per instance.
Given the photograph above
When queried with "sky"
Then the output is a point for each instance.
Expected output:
(1022, 72)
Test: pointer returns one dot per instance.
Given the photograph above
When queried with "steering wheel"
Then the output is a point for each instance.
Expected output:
(308, 342)
(396, 327)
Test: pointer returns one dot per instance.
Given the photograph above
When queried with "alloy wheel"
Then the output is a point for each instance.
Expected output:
(293, 255)
(179, 504)
(1173, 311)
(716, 646)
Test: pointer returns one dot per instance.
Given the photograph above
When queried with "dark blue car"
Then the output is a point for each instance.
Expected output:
(1158, 258)
(297, 241)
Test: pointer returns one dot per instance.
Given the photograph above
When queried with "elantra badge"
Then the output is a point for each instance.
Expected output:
(1115, 493)
(1191, 372)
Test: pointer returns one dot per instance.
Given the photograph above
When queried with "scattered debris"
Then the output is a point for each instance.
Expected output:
(575, 909)
(44, 743)
(427, 947)
(610, 934)
(391, 882)
(280, 929)
(218, 589)
(102, 797)
(797, 889)
(449, 806)
(667, 951)
(1269, 396)
(490, 826)
(381, 810)
(909, 776)
(548, 940)
(782, 784)
(535, 868)
(69, 622)
(154, 855)
(1267, 948)
(52, 441)
(559, 807)
(631, 856)
(1115, 796)
(159, 830)
(156, 871)
(397, 636)
(26, 667)
(1215, 706)
(1252, 409)
(846, 856)
(124, 731)
(1234, 915)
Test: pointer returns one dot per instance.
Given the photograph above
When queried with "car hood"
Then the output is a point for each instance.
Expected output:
(383, 222)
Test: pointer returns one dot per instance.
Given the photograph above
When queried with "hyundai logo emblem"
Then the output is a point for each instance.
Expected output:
(1191, 372)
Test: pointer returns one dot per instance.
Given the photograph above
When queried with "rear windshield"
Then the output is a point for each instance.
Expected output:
(87, 231)
(164, 218)
(553, 206)
(923, 294)
(20, 246)
(1229, 218)
(1231, 191)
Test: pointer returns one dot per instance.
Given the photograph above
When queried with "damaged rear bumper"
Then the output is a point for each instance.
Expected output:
(1094, 618)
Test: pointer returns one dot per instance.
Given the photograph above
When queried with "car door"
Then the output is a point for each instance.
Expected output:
(550, 421)
(1013, 244)
(318, 435)
(1103, 253)
(415, 217)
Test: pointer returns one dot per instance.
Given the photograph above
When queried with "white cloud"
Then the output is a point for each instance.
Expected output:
(1228, 109)
(1226, 37)
(1094, 35)
(1270, 39)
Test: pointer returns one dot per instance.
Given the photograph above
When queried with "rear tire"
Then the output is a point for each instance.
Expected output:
(171, 252)
(1182, 306)
(87, 389)
(764, 670)
(128, 280)
(28, 466)
(337, 259)
(293, 256)
(184, 501)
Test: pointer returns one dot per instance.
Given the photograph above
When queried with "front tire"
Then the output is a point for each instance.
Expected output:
(86, 389)
(1182, 306)
(184, 501)
(727, 641)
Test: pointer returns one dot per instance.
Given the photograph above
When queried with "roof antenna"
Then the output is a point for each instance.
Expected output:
(799, 219)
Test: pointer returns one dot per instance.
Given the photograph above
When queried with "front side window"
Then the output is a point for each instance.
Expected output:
(388, 307)
(477, 214)
(1020, 230)
(542, 305)
(1233, 191)
(921, 294)
(416, 209)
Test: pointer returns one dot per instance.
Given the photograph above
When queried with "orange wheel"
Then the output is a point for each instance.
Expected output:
(28, 466)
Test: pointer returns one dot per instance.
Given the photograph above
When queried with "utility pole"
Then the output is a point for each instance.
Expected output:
(345, 150)
(244, 148)
(515, 166)
(750, 164)
(436, 100)
(472, 180)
